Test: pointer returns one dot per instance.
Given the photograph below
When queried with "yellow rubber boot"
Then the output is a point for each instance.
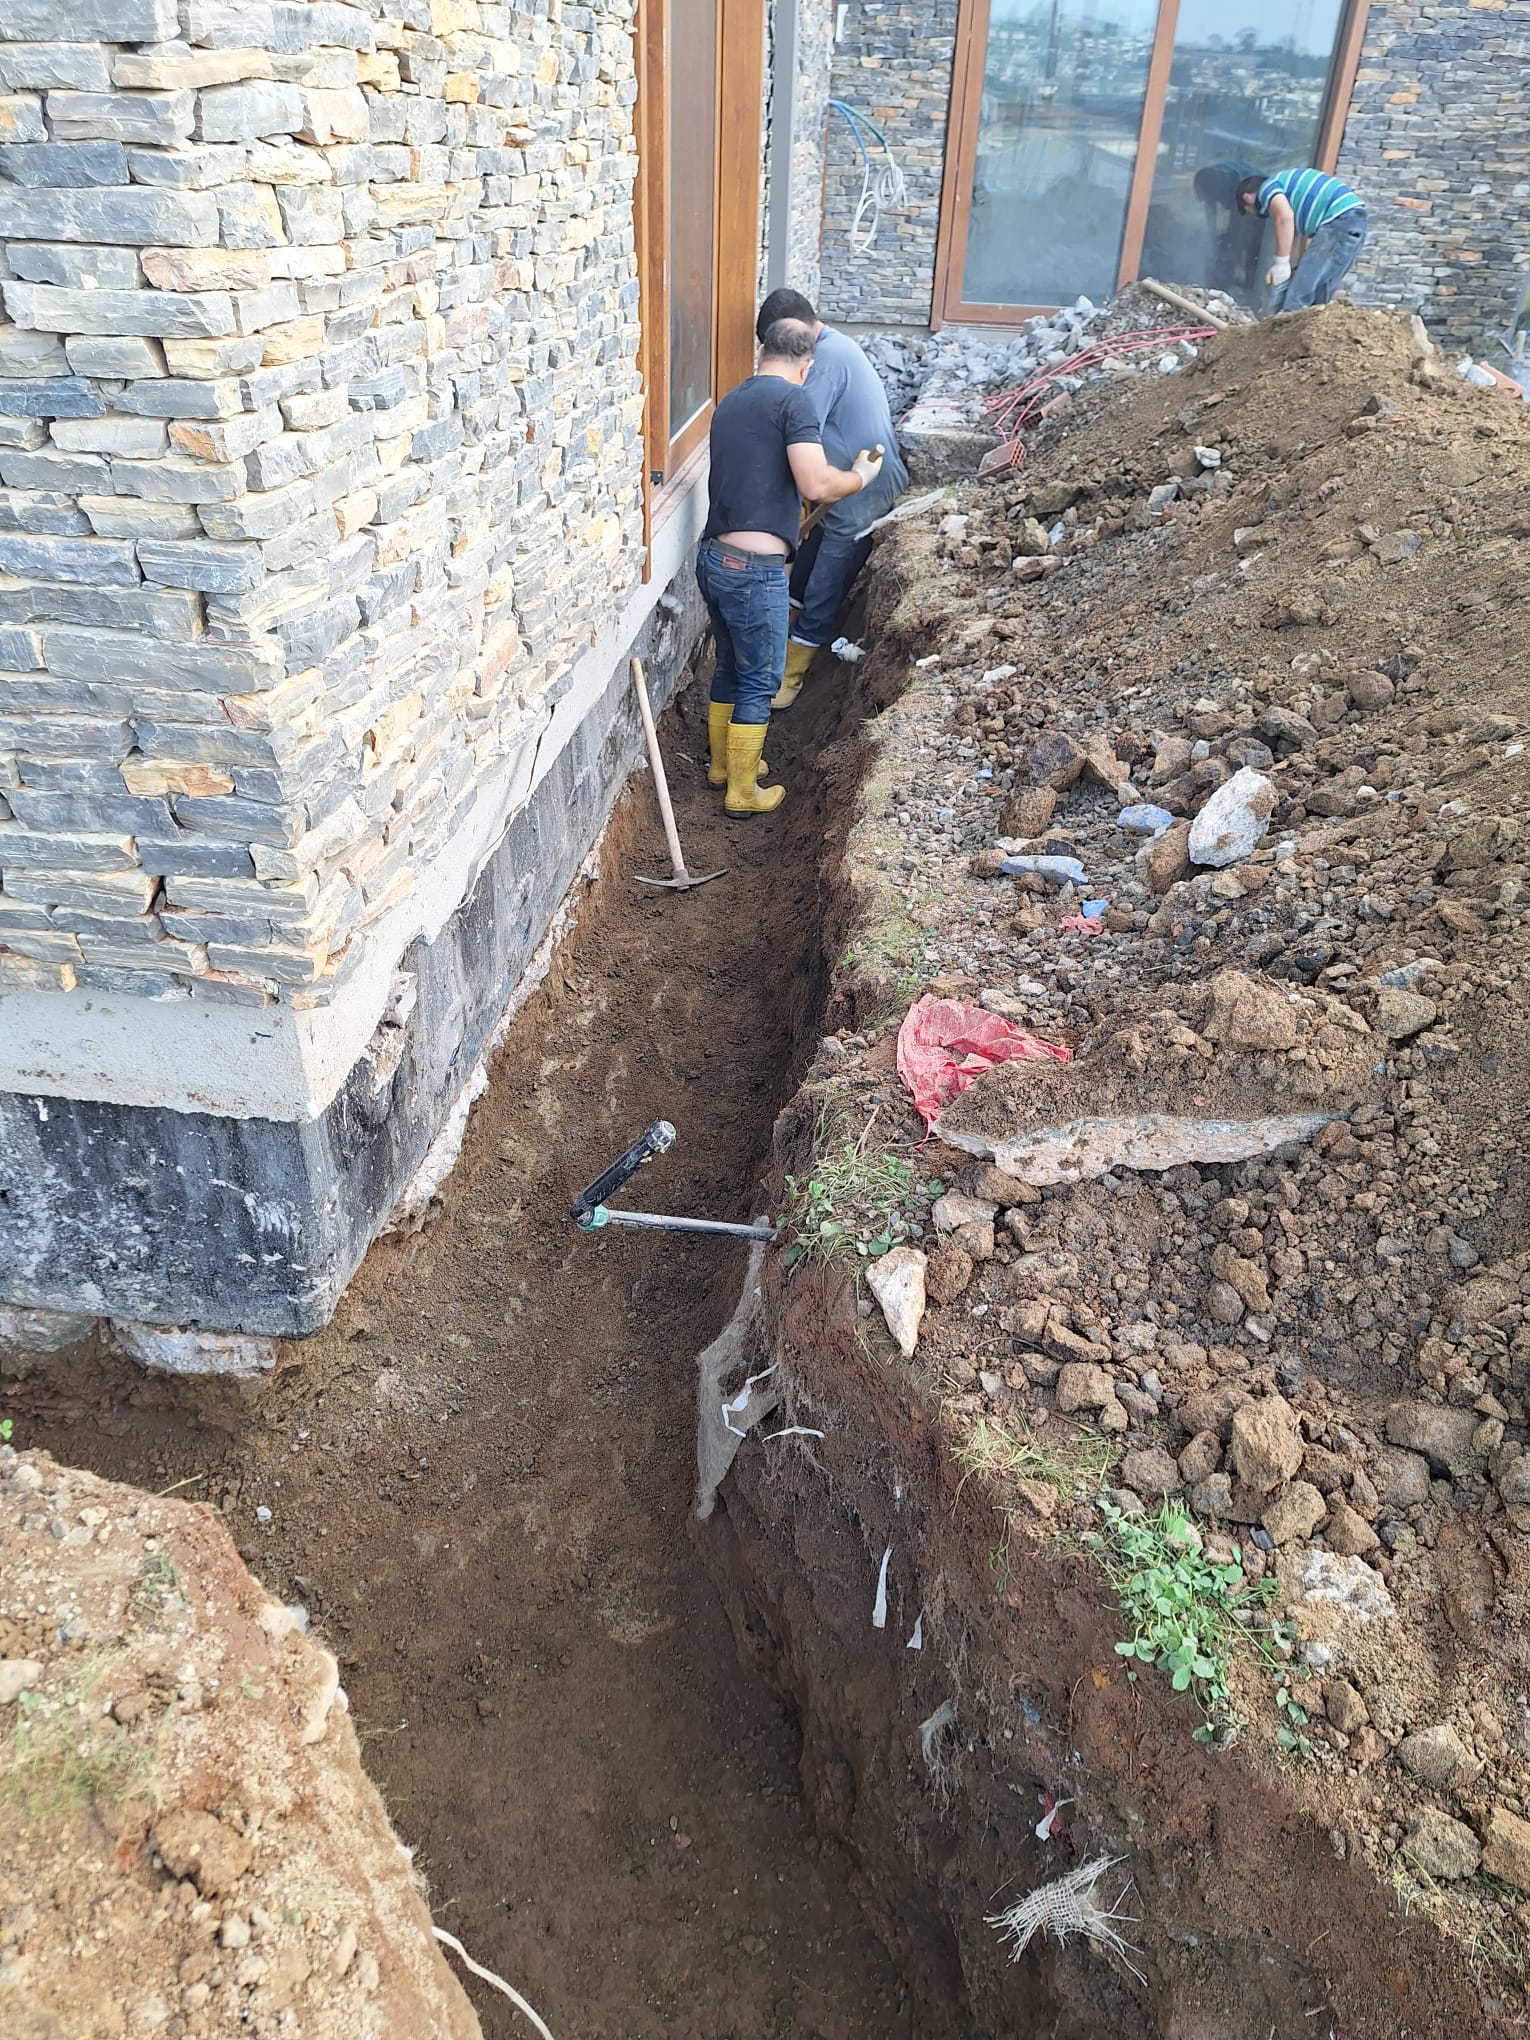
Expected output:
(798, 659)
(719, 715)
(745, 795)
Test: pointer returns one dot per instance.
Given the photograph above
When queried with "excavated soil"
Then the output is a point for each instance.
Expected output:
(776, 1772)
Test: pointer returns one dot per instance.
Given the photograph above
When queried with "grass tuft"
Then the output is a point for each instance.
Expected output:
(63, 1753)
(1003, 1453)
(1185, 1612)
(856, 1205)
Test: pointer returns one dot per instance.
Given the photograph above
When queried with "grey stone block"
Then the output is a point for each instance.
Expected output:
(162, 118)
(74, 474)
(56, 397)
(216, 569)
(171, 614)
(40, 66)
(176, 480)
(133, 438)
(259, 515)
(75, 268)
(20, 650)
(178, 397)
(64, 163)
(25, 850)
(127, 217)
(120, 359)
(31, 354)
(73, 811)
(246, 821)
(229, 24)
(65, 736)
(154, 314)
(108, 655)
(207, 359)
(242, 113)
(204, 745)
(21, 119)
(98, 562)
(91, 20)
(191, 167)
(198, 857)
(47, 512)
(129, 517)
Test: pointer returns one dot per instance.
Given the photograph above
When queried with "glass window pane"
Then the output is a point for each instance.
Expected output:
(1063, 85)
(1245, 93)
(692, 199)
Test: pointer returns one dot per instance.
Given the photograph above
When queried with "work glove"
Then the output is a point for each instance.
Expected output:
(867, 465)
(1280, 272)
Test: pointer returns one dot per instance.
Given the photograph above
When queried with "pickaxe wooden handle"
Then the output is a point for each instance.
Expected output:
(816, 516)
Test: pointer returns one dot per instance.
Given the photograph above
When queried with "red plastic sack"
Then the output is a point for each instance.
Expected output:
(944, 1045)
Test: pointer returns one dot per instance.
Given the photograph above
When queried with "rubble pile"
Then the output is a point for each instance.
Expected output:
(1213, 765)
(960, 364)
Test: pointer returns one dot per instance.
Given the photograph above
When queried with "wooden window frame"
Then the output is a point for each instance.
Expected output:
(672, 464)
(947, 306)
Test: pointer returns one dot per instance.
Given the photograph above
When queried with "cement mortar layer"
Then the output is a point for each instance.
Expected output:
(319, 476)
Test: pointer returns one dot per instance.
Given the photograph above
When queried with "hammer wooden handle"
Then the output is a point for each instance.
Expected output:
(815, 516)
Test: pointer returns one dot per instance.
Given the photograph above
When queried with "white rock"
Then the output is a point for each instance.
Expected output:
(1086, 1148)
(1233, 820)
(17, 1676)
(956, 1208)
(897, 1283)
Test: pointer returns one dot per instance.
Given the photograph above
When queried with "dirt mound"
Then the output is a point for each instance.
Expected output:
(189, 1843)
(1278, 598)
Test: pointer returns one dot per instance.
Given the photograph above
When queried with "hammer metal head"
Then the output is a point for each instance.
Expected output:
(683, 881)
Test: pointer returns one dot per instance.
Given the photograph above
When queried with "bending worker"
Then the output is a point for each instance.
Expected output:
(851, 407)
(1330, 218)
(767, 453)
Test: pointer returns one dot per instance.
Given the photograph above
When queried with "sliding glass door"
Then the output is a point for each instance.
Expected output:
(1094, 141)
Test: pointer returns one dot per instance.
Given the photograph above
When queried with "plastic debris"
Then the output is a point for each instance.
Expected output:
(1060, 870)
(262, 1514)
(879, 1606)
(916, 1641)
(1067, 1907)
(933, 1728)
(945, 1044)
(1144, 819)
(1081, 924)
(1209, 456)
(1168, 364)
(1048, 1821)
(850, 653)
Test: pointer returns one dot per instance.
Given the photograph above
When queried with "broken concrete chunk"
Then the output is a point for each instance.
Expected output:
(1081, 1385)
(1347, 1532)
(1151, 1473)
(201, 1847)
(897, 1283)
(1399, 1015)
(1266, 1446)
(1445, 1437)
(1055, 760)
(1506, 1850)
(1442, 1847)
(1237, 1011)
(1295, 1514)
(1094, 1147)
(956, 1208)
(1440, 1758)
(1231, 823)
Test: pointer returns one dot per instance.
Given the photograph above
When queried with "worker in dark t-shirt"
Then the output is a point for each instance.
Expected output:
(767, 454)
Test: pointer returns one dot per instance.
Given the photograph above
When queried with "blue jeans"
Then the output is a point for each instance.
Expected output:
(826, 565)
(1331, 254)
(746, 599)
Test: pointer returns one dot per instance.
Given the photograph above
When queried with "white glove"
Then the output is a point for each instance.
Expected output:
(1280, 272)
(867, 465)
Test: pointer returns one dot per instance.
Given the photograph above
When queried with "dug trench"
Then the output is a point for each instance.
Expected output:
(666, 1775)
(775, 1771)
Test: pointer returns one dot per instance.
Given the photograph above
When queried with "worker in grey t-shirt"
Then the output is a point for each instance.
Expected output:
(854, 414)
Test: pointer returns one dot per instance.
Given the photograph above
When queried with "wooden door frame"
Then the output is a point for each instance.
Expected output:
(671, 463)
(947, 307)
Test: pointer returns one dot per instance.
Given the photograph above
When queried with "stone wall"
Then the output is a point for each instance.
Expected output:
(319, 437)
(893, 64)
(1438, 140)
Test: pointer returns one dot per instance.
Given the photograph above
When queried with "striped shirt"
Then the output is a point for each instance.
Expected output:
(1316, 198)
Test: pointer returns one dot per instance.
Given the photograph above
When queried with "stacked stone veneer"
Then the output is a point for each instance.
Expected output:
(893, 63)
(1438, 140)
(319, 442)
